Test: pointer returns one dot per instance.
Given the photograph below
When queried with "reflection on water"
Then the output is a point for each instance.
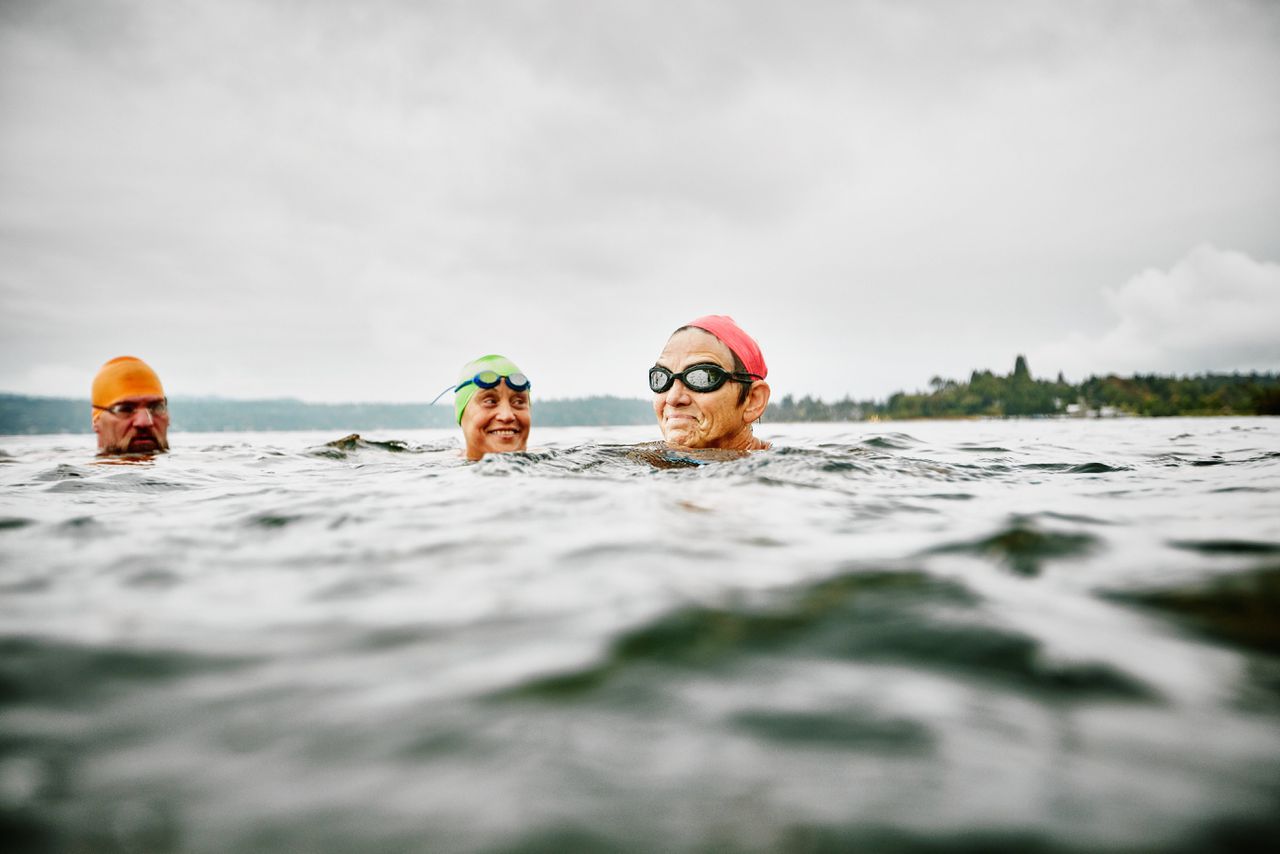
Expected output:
(1030, 635)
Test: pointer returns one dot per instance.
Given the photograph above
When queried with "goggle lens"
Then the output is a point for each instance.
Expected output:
(704, 378)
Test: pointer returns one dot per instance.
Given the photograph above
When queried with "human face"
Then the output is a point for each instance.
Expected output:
(138, 433)
(712, 419)
(496, 421)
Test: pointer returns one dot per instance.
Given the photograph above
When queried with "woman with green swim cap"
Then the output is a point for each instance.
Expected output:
(491, 402)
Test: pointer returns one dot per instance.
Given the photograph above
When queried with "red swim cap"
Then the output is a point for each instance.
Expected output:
(742, 344)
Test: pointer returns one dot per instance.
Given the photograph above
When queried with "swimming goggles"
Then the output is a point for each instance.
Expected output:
(700, 378)
(128, 408)
(490, 379)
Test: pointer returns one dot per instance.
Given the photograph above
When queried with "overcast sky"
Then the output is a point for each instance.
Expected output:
(346, 201)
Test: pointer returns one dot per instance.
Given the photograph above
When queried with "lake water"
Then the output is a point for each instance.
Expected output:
(931, 636)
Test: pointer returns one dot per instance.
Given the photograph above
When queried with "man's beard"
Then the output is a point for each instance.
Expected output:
(145, 441)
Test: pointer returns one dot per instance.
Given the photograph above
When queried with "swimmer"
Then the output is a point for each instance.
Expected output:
(130, 411)
(492, 405)
(708, 386)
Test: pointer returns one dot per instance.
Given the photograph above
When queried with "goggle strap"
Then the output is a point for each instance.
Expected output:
(446, 391)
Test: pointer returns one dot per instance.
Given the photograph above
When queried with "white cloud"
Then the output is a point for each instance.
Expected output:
(1214, 310)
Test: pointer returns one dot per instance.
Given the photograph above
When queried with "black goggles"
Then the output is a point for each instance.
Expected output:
(490, 379)
(695, 378)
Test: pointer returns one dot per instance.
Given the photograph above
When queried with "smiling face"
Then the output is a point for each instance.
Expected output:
(496, 421)
(713, 419)
(140, 432)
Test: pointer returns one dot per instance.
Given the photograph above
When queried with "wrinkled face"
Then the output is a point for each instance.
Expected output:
(712, 419)
(495, 421)
(140, 432)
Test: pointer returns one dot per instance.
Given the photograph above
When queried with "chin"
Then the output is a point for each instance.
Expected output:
(680, 437)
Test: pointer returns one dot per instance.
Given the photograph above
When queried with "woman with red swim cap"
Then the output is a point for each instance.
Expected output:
(708, 386)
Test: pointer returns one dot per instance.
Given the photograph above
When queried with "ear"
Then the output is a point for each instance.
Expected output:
(757, 401)
(97, 426)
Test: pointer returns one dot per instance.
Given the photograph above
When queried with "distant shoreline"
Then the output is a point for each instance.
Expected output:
(768, 421)
(984, 395)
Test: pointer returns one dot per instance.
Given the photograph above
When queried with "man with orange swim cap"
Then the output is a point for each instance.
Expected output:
(130, 411)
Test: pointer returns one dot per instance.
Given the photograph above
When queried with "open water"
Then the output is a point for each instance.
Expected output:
(937, 636)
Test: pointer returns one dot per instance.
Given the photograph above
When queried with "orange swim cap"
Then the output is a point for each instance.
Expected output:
(124, 376)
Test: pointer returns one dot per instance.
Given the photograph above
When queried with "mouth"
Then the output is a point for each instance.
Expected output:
(145, 442)
(503, 433)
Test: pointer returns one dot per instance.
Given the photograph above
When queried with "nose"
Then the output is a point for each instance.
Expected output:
(142, 416)
(677, 395)
(505, 412)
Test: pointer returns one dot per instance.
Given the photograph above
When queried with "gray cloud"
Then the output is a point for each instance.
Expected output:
(346, 201)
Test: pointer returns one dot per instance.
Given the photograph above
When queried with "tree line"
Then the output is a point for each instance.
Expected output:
(1019, 394)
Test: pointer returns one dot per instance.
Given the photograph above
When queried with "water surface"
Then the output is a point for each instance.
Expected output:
(935, 636)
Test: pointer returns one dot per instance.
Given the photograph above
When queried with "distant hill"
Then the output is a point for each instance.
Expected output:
(984, 394)
(20, 414)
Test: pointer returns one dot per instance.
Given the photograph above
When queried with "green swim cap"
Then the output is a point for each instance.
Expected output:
(493, 362)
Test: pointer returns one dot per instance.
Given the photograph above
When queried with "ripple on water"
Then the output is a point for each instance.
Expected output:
(870, 617)
(62, 471)
(844, 729)
(29, 584)
(1228, 547)
(1068, 517)
(77, 486)
(1075, 468)
(273, 521)
(891, 441)
(1240, 608)
(82, 527)
(1097, 468)
(341, 449)
(117, 484)
(153, 577)
(68, 675)
(361, 587)
(1024, 547)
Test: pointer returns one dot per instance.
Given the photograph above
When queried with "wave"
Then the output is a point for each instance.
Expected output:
(904, 618)
(1025, 547)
